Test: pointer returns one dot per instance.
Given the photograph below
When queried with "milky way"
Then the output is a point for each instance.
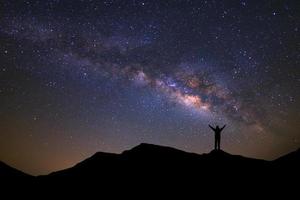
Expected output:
(78, 77)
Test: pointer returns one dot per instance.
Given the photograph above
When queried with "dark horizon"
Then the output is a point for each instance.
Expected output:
(143, 149)
(78, 77)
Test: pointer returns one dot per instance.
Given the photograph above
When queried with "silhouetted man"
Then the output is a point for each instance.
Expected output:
(217, 131)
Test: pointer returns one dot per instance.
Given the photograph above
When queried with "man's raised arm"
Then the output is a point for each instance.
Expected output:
(223, 127)
(211, 127)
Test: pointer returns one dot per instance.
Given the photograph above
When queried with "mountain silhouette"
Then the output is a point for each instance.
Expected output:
(148, 158)
(292, 159)
(148, 162)
(153, 163)
(9, 172)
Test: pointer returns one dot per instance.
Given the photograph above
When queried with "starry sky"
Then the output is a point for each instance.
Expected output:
(77, 77)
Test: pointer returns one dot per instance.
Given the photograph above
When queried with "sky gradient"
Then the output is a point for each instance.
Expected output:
(77, 77)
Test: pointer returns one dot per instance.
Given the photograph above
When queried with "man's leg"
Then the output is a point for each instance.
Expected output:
(216, 143)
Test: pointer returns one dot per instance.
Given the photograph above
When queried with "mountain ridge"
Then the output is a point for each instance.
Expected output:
(158, 157)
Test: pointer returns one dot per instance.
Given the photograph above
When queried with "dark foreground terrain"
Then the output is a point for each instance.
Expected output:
(149, 166)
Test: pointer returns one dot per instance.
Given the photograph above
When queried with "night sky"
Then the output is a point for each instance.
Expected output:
(77, 77)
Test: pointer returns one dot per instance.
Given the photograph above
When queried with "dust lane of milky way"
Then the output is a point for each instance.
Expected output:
(188, 91)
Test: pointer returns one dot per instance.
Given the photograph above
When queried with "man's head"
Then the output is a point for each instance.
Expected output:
(217, 127)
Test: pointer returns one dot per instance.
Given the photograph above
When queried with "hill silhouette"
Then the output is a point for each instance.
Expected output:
(292, 159)
(7, 171)
(150, 163)
(153, 163)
